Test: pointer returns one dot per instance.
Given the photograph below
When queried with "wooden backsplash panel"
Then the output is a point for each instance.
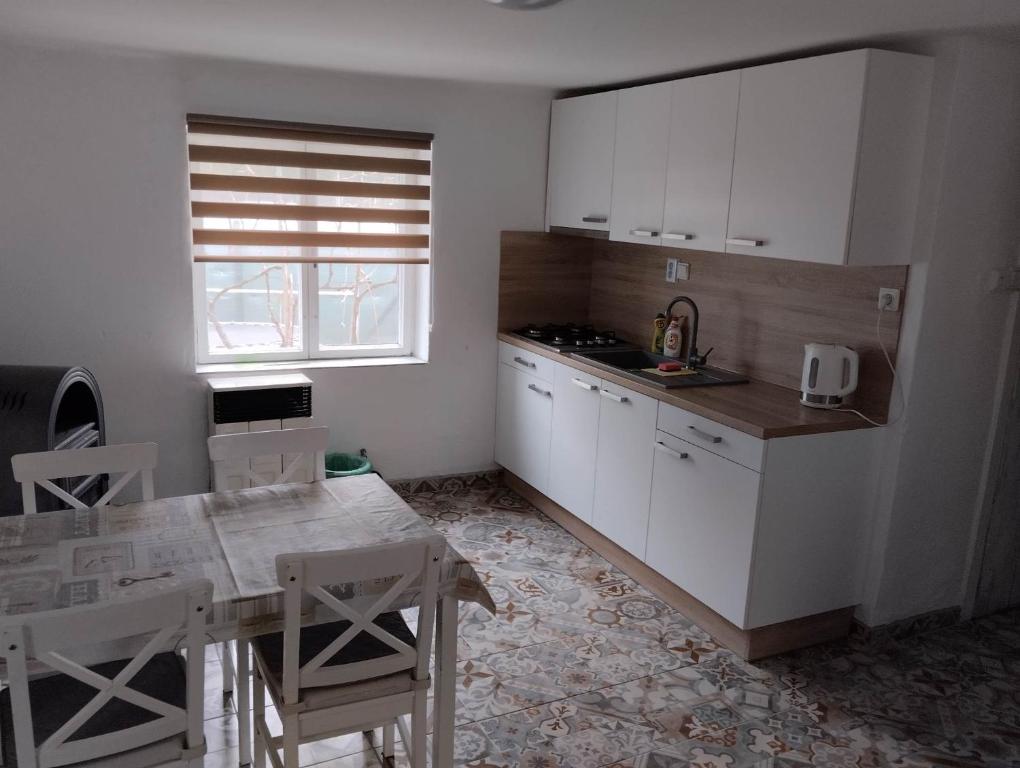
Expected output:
(757, 312)
(543, 279)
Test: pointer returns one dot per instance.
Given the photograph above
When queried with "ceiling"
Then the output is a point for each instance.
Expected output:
(575, 44)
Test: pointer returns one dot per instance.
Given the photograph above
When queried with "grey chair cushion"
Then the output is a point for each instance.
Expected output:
(314, 640)
(364, 647)
(55, 699)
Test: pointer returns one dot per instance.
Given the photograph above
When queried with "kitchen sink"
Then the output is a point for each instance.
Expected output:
(631, 363)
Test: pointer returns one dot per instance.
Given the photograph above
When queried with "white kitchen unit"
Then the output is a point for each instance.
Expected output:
(581, 138)
(816, 159)
(759, 531)
(828, 158)
(701, 527)
(574, 440)
(639, 164)
(702, 126)
(524, 405)
(623, 466)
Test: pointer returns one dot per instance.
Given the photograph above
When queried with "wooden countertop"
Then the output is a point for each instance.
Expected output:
(757, 408)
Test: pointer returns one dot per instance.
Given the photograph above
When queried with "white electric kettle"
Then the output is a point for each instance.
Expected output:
(830, 374)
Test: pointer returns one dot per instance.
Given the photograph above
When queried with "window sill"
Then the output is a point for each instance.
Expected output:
(270, 366)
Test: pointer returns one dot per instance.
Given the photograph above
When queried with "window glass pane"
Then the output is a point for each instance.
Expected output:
(253, 308)
(359, 305)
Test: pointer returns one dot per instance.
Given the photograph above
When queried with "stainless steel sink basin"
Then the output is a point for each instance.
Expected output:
(631, 363)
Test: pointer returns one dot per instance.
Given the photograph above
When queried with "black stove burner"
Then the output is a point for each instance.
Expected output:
(569, 336)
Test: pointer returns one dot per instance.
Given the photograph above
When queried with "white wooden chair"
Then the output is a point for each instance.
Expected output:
(128, 460)
(367, 669)
(296, 445)
(135, 712)
(231, 455)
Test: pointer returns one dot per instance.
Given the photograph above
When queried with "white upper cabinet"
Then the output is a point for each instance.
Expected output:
(639, 164)
(816, 159)
(828, 158)
(702, 126)
(581, 139)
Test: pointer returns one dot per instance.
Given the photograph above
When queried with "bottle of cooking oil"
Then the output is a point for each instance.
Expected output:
(658, 333)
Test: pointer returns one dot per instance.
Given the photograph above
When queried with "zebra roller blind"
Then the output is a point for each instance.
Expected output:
(264, 191)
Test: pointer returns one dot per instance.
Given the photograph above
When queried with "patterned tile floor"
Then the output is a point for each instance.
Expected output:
(582, 667)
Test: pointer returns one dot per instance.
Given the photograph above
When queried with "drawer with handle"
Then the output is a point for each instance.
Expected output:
(529, 362)
(724, 441)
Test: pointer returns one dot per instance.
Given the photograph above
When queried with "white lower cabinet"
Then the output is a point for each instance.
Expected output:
(524, 405)
(623, 466)
(702, 523)
(575, 425)
(760, 531)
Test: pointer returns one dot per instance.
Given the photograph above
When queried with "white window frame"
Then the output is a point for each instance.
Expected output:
(407, 282)
(406, 274)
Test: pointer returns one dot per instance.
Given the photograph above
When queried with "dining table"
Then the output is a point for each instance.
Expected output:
(55, 560)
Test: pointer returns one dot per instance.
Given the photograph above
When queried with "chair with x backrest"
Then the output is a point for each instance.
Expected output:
(363, 671)
(296, 445)
(140, 711)
(128, 460)
(233, 454)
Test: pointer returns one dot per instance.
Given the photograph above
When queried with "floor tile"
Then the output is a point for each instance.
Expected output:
(583, 667)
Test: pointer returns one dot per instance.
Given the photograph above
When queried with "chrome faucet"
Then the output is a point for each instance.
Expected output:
(694, 360)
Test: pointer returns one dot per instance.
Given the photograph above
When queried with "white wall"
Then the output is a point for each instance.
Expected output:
(952, 336)
(94, 252)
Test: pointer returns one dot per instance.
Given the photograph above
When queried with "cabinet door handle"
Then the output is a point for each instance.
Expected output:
(644, 233)
(677, 236)
(704, 435)
(543, 392)
(595, 219)
(747, 242)
(614, 398)
(522, 361)
(583, 385)
(672, 452)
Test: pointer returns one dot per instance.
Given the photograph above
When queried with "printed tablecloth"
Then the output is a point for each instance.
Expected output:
(58, 559)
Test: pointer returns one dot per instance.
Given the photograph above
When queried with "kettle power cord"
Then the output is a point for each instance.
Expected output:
(897, 386)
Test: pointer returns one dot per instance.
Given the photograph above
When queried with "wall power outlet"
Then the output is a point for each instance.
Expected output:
(671, 270)
(889, 299)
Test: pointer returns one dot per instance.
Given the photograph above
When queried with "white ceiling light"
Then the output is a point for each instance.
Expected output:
(523, 5)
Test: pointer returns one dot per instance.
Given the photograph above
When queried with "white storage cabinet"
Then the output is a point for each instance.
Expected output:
(524, 406)
(623, 466)
(581, 141)
(639, 164)
(816, 159)
(759, 531)
(574, 440)
(702, 125)
(828, 158)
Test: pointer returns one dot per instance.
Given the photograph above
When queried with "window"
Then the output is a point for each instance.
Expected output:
(308, 241)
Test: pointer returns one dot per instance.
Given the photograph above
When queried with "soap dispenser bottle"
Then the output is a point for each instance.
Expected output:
(673, 341)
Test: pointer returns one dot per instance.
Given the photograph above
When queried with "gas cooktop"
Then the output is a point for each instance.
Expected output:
(571, 338)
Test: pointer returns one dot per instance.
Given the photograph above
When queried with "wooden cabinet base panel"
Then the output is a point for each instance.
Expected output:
(749, 644)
